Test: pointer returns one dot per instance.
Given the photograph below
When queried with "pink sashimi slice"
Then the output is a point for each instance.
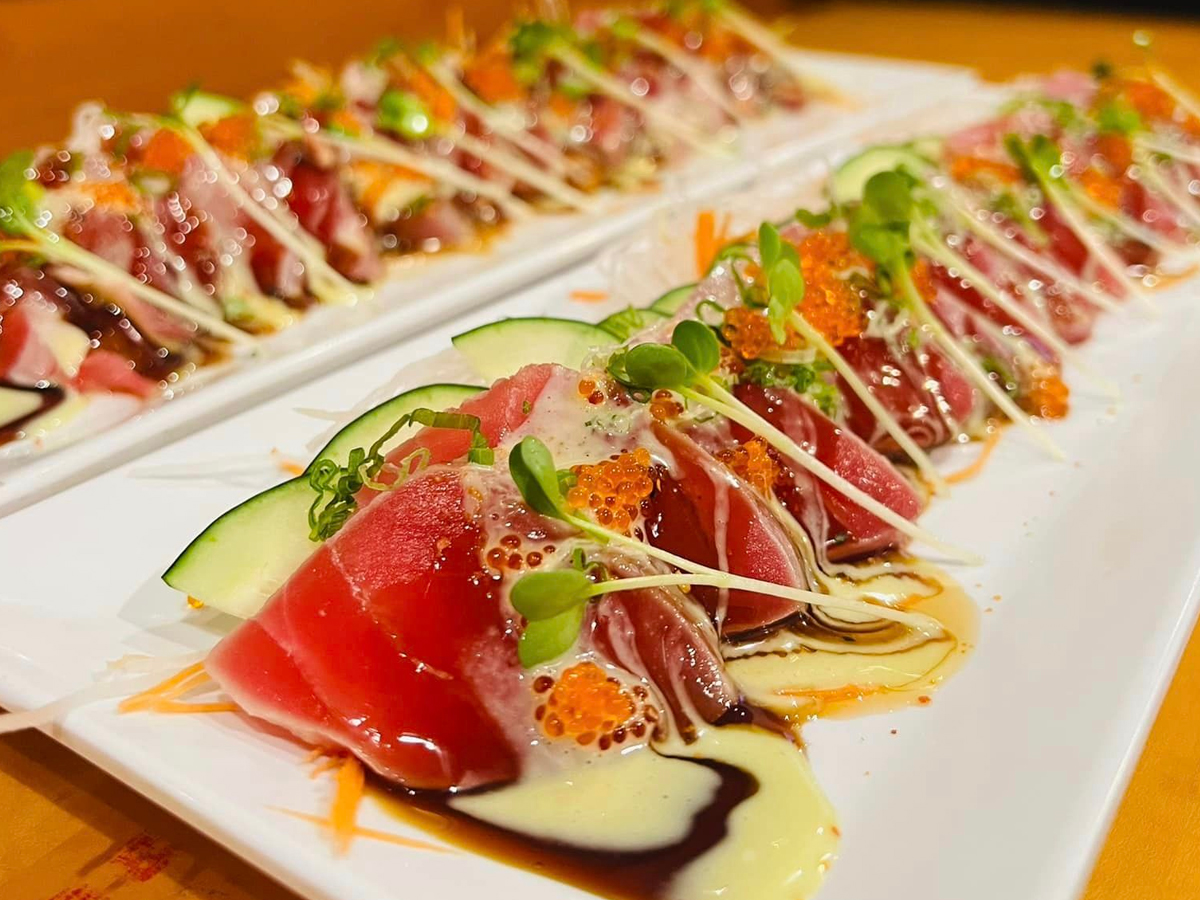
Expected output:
(843, 527)
(702, 513)
(378, 635)
(393, 642)
(501, 409)
(926, 393)
(105, 371)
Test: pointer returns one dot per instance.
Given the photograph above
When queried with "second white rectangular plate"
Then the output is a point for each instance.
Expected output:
(435, 291)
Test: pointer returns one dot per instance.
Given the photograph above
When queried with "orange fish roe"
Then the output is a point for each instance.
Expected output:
(235, 135)
(115, 196)
(346, 121)
(586, 705)
(752, 463)
(1049, 398)
(1116, 149)
(922, 276)
(491, 77)
(1149, 100)
(166, 152)
(591, 391)
(966, 168)
(749, 334)
(830, 304)
(664, 406)
(1104, 189)
(509, 555)
(613, 489)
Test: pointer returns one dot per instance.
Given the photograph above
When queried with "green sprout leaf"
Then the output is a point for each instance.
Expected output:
(548, 639)
(889, 195)
(403, 113)
(544, 595)
(811, 219)
(769, 244)
(1040, 159)
(20, 196)
(625, 28)
(1118, 117)
(650, 366)
(698, 344)
(532, 468)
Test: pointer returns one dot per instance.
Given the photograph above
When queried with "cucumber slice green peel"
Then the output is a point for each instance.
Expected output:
(627, 322)
(243, 557)
(499, 349)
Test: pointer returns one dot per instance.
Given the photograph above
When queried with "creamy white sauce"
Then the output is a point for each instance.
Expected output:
(638, 800)
(780, 683)
(780, 841)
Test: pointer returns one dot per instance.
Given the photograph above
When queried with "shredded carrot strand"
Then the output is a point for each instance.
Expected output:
(976, 467)
(165, 689)
(178, 707)
(343, 815)
(324, 765)
(709, 239)
(371, 833)
(589, 296)
(165, 696)
(289, 466)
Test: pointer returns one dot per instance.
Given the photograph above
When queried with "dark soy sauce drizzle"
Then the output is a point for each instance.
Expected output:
(49, 396)
(616, 875)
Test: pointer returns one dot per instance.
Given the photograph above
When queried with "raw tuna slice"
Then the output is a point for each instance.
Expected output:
(842, 527)
(924, 392)
(26, 357)
(663, 637)
(501, 409)
(322, 204)
(393, 642)
(373, 644)
(702, 513)
(105, 371)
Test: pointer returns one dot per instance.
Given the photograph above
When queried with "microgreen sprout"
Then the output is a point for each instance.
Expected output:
(686, 366)
(1040, 159)
(782, 276)
(403, 112)
(23, 216)
(885, 227)
(554, 603)
(337, 487)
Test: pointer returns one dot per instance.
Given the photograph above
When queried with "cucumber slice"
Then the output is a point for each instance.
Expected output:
(242, 558)
(848, 181)
(672, 301)
(197, 107)
(501, 348)
(630, 320)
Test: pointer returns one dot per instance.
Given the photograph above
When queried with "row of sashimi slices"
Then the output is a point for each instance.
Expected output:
(761, 428)
(147, 246)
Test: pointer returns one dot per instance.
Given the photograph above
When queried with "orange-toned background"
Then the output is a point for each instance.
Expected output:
(69, 832)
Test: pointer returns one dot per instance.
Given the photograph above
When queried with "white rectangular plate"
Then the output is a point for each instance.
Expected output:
(434, 291)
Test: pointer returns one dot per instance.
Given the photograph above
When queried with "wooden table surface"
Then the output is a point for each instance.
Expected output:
(67, 830)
